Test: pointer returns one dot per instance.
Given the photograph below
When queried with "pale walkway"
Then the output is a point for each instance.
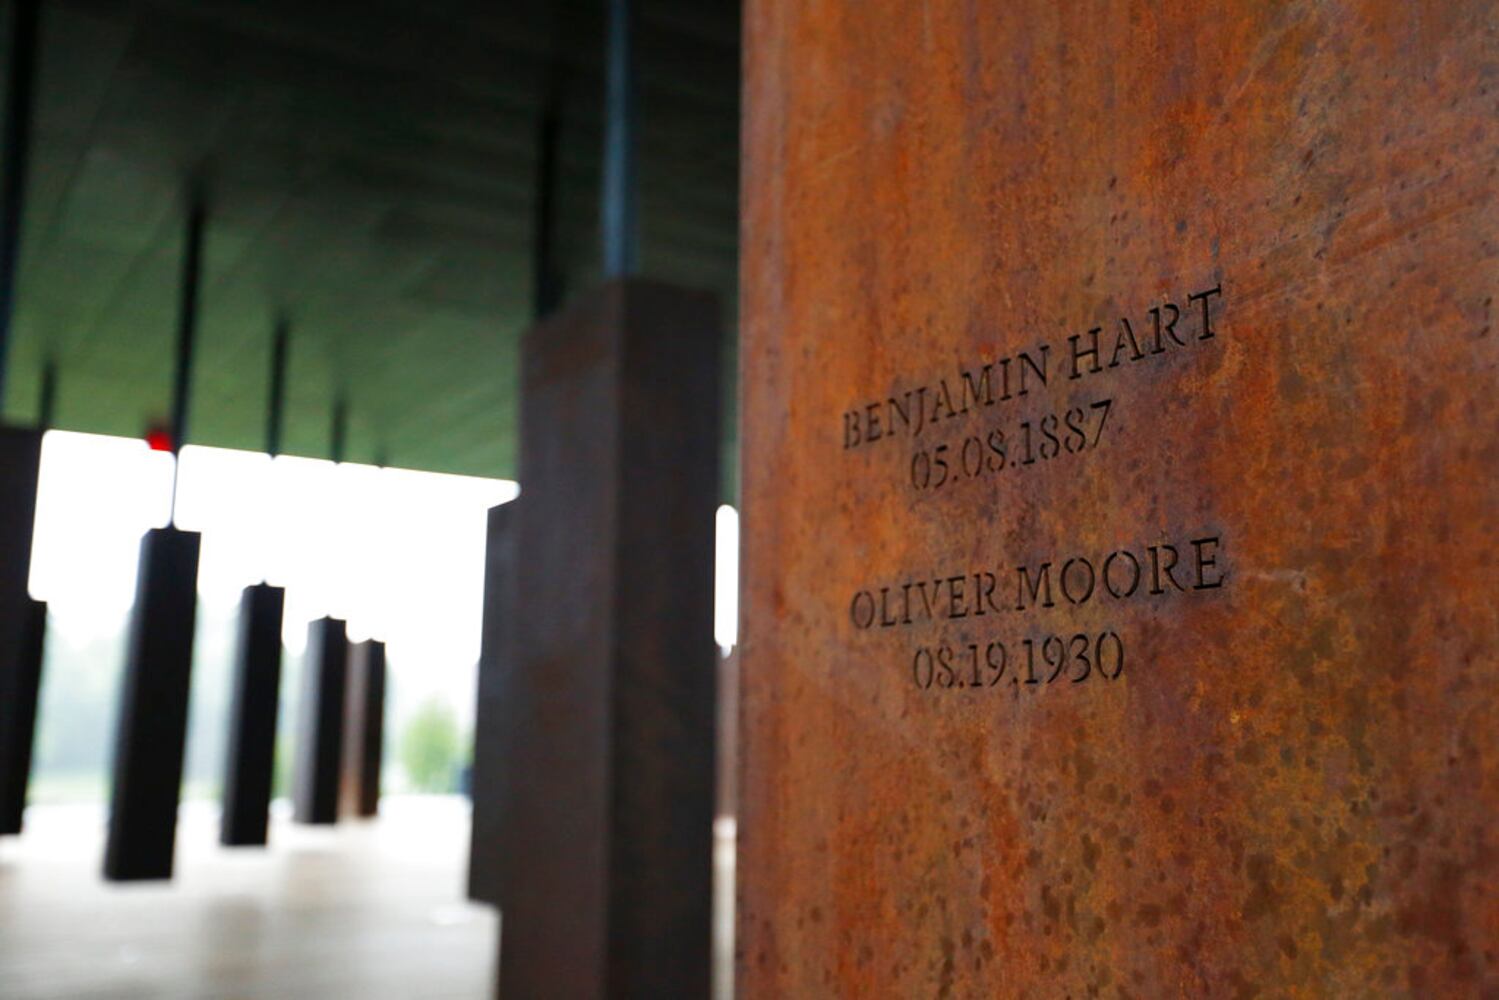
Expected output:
(370, 911)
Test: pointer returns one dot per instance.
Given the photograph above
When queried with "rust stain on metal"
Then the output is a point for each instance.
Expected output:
(1257, 512)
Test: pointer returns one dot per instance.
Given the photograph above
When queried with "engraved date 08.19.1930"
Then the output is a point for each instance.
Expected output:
(1032, 661)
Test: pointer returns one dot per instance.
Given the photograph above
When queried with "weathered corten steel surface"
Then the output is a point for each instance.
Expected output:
(594, 745)
(1166, 669)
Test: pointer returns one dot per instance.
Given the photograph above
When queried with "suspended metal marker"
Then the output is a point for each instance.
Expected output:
(21, 684)
(22, 620)
(364, 729)
(594, 748)
(496, 659)
(152, 731)
(250, 756)
(320, 723)
(20, 85)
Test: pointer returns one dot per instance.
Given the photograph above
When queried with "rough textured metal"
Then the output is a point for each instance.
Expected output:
(484, 866)
(250, 753)
(20, 653)
(320, 723)
(1290, 787)
(151, 736)
(604, 735)
(364, 730)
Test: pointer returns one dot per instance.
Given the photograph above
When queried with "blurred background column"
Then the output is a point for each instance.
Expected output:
(22, 620)
(364, 729)
(594, 790)
(250, 755)
(151, 736)
(320, 724)
(496, 650)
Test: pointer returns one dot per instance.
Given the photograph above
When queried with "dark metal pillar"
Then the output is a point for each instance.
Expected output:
(22, 620)
(339, 438)
(320, 723)
(187, 321)
(250, 757)
(276, 405)
(152, 732)
(495, 651)
(364, 729)
(20, 87)
(617, 211)
(46, 406)
(602, 744)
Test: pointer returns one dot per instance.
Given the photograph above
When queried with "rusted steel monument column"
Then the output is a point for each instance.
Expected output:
(151, 736)
(249, 760)
(152, 732)
(364, 729)
(250, 754)
(1121, 608)
(320, 723)
(594, 771)
(22, 620)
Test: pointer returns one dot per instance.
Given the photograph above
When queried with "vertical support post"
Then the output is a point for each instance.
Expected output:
(46, 407)
(496, 648)
(187, 318)
(152, 733)
(617, 211)
(152, 730)
(250, 756)
(320, 723)
(20, 88)
(22, 620)
(364, 729)
(602, 745)
(276, 404)
(338, 438)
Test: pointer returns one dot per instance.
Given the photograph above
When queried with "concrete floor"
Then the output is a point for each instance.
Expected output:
(364, 910)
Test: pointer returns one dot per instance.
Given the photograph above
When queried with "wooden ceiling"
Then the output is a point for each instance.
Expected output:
(371, 172)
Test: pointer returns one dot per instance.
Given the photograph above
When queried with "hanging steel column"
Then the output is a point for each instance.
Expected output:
(320, 724)
(250, 757)
(152, 732)
(364, 729)
(22, 620)
(20, 86)
(21, 683)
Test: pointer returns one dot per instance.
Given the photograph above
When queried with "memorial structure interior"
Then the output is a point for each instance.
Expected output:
(268, 271)
(1109, 397)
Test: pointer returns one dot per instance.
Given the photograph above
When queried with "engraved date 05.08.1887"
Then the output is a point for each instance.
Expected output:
(1031, 661)
(1070, 432)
